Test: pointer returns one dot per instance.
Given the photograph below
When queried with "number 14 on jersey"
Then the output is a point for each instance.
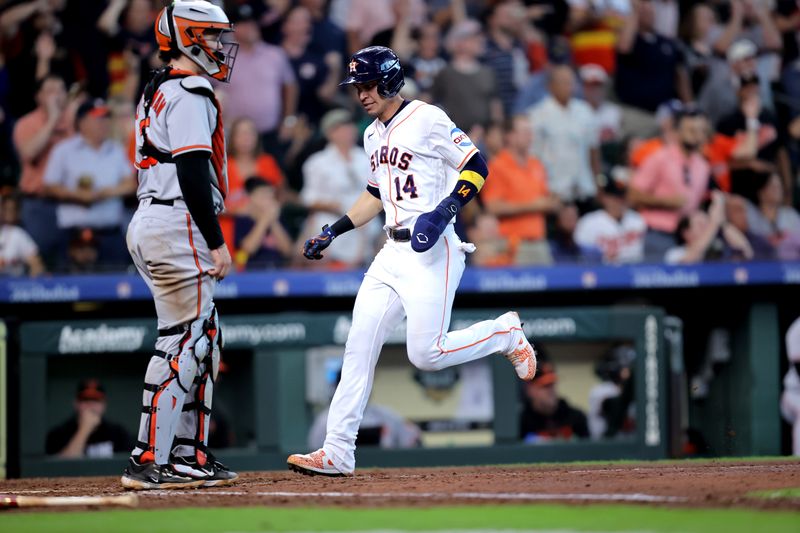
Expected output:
(409, 188)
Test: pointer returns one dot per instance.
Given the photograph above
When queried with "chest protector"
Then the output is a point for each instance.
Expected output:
(152, 155)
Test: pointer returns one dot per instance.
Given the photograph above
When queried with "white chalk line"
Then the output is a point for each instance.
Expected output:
(631, 497)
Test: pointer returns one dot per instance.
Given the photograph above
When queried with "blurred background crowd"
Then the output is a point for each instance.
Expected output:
(616, 131)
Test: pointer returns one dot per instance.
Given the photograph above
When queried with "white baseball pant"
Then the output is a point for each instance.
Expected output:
(421, 286)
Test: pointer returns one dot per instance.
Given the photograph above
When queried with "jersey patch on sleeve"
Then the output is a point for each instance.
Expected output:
(460, 138)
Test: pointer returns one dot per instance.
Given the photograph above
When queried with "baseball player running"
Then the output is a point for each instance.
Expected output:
(176, 243)
(424, 170)
(790, 398)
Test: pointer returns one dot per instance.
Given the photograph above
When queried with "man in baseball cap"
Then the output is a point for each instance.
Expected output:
(741, 50)
(616, 230)
(96, 108)
(718, 95)
(333, 119)
(608, 115)
(87, 433)
(546, 416)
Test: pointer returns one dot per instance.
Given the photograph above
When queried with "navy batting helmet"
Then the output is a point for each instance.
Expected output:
(376, 63)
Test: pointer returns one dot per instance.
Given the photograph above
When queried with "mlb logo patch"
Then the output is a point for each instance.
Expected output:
(460, 138)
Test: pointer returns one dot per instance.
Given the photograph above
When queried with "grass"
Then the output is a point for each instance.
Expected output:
(606, 518)
(790, 493)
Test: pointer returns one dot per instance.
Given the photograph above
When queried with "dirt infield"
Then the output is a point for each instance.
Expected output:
(688, 484)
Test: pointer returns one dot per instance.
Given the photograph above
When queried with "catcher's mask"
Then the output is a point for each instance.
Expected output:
(196, 29)
(376, 64)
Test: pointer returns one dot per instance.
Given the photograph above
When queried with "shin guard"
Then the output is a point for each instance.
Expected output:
(193, 427)
(168, 379)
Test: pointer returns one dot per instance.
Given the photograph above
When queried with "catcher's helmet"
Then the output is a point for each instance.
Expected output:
(376, 63)
(182, 26)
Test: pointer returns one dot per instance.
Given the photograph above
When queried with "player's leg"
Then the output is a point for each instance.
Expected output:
(168, 379)
(428, 300)
(376, 313)
(163, 244)
(192, 453)
(790, 409)
(161, 378)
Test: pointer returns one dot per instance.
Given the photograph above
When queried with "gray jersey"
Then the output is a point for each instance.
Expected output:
(180, 121)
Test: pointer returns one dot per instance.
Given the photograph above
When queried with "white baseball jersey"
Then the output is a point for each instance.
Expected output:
(621, 241)
(16, 247)
(790, 399)
(179, 122)
(415, 160)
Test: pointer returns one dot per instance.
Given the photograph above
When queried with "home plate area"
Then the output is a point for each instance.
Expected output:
(685, 484)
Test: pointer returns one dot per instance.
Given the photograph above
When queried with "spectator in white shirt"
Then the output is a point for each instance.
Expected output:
(607, 115)
(18, 252)
(89, 174)
(333, 178)
(616, 230)
(566, 140)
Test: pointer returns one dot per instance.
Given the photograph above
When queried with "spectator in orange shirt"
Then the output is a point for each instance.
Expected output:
(246, 159)
(518, 196)
(35, 134)
(492, 249)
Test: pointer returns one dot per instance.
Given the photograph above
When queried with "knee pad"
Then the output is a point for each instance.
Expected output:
(208, 342)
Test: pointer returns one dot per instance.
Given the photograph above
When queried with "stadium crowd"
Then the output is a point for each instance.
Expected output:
(616, 131)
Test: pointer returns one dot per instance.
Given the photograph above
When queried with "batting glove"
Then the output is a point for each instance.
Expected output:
(429, 226)
(313, 247)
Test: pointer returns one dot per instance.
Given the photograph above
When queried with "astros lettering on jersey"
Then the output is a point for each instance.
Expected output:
(415, 161)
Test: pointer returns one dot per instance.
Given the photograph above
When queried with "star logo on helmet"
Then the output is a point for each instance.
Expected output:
(353, 66)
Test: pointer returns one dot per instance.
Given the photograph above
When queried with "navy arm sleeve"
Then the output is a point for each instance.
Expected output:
(194, 177)
(477, 164)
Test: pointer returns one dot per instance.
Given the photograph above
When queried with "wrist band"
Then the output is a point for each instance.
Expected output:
(342, 225)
